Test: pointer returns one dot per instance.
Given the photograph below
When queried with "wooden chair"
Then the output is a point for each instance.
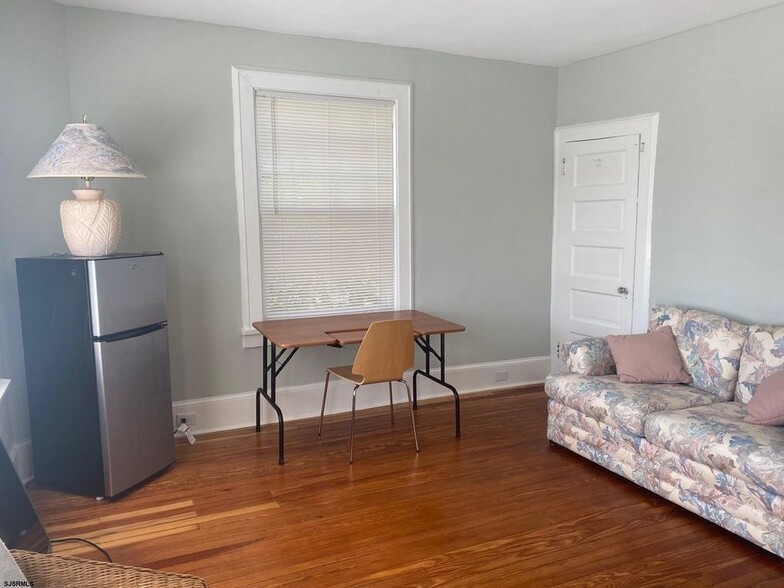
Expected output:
(386, 352)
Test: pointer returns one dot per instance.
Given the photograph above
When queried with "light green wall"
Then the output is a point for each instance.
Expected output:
(482, 182)
(718, 205)
(34, 108)
(482, 170)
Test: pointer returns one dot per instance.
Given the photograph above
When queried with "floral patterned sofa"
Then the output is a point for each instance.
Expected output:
(687, 443)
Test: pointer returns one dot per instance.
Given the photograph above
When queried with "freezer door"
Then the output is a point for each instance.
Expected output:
(126, 293)
(134, 401)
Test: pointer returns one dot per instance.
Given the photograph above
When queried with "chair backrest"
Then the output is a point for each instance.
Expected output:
(386, 351)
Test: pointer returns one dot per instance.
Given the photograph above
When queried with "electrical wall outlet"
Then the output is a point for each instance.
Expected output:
(501, 376)
(189, 418)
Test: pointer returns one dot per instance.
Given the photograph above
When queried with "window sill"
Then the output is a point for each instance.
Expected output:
(251, 338)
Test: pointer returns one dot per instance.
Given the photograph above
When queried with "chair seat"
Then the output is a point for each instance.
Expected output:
(345, 372)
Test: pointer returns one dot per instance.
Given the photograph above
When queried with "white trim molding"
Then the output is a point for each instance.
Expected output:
(234, 411)
(245, 82)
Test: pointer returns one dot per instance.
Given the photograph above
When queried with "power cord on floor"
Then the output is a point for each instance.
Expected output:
(80, 540)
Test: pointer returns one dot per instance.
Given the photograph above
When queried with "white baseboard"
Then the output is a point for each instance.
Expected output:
(233, 411)
(21, 454)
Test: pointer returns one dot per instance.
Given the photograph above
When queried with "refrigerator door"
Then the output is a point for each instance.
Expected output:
(126, 293)
(134, 403)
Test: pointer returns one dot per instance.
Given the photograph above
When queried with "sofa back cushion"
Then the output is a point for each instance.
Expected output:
(763, 356)
(710, 345)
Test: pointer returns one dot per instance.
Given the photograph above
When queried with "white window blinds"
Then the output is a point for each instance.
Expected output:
(326, 176)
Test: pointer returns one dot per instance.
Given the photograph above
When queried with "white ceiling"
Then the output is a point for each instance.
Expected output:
(540, 32)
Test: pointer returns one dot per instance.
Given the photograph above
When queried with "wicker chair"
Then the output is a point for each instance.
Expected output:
(62, 571)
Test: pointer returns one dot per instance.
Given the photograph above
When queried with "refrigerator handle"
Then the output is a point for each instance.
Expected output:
(129, 334)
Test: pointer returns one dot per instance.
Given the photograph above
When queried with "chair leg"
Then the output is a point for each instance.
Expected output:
(411, 410)
(391, 404)
(323, 404)
(353, 412)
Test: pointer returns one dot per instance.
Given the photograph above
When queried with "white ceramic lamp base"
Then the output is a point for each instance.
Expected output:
(91, 224)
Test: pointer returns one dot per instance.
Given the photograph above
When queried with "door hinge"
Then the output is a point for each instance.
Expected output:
(563, 166)
(558, 348)
(642, 146)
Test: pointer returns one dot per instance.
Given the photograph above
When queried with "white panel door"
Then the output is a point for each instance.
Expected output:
(595, 238)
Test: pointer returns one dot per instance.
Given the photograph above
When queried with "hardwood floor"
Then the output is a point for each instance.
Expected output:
(497, 507)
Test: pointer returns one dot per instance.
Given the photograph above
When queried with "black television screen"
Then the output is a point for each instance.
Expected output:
(20, 527)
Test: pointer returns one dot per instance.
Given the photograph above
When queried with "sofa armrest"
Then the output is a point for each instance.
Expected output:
(588, 357)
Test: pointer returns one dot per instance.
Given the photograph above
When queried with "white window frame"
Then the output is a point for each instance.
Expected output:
(245, 82)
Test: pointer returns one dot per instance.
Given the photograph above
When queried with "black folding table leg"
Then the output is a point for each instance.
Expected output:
(273, 390)
(452, 388)
(264, 369)
(280, 432)
(258, 410)
(270, 361)
(428, 349)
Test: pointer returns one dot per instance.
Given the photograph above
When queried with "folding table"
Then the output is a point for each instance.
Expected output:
(283, 337)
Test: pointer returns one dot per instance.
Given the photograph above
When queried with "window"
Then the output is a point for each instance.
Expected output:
(323, 195)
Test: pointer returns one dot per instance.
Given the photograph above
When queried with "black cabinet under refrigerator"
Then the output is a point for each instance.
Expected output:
(97, 366)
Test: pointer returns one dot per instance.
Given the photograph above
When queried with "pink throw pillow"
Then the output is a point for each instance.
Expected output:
(652, 358)
(766, 407)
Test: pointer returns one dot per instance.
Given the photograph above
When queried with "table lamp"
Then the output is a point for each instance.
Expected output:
(91, 224)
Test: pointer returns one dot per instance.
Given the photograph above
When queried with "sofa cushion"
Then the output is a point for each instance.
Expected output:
(763, 355)
(709, 344)
(716, 436)
(586, 428)
(610, 401)
(590, 356)
(651, 358)
(766, 407)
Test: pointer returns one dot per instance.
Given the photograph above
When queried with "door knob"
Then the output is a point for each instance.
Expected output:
(622, 290)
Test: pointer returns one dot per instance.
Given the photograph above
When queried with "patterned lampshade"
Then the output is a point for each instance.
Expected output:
(85, 150)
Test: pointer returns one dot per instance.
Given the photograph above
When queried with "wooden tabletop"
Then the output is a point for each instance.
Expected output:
(326, 330)
(349, 337)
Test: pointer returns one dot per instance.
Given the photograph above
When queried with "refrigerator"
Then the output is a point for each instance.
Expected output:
(97, 367)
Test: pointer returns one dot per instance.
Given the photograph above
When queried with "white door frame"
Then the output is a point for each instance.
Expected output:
(647, 126)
